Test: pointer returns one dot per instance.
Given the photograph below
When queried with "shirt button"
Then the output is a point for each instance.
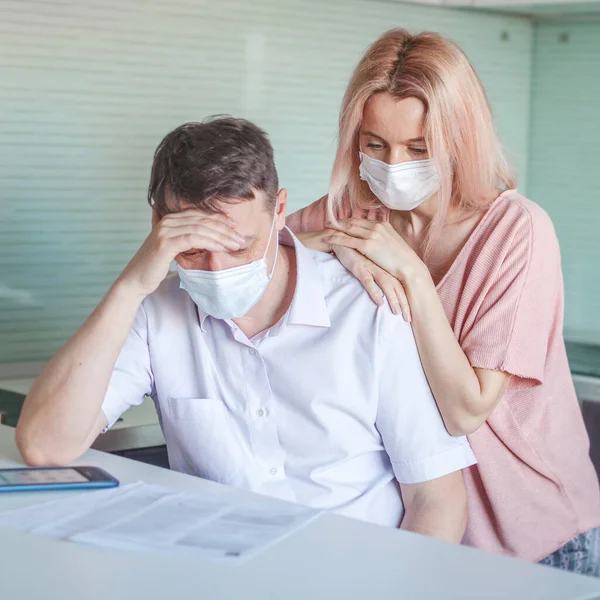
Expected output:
(260, 412)
(251, 351)
(273, 471)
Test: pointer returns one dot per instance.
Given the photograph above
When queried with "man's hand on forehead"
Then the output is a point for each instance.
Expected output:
(218, 221)
(196, 213)
(174, 234)
(219, 230)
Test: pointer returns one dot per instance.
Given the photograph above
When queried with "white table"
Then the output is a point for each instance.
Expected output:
(334, 557)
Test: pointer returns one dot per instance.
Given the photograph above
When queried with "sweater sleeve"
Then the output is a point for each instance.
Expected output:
(519, 304)
(309, 218)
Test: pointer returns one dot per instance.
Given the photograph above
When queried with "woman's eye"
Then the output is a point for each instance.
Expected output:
(374, 146)
(419, 150)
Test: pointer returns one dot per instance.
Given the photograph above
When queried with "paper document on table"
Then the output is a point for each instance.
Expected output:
(148, 518)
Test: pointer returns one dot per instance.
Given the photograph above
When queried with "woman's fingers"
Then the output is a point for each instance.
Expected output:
(387, 286)
(395, 294)
(403, 300)
(372, 288)
(362, 268)
(343, 239)
(357, 227)
(362, 258)
(344, 223)
(377, 281)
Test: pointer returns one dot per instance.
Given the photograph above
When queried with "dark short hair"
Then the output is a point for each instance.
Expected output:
(220, 160)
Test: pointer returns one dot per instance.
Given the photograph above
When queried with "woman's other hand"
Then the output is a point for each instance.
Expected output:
(380, 243)
(375, 280)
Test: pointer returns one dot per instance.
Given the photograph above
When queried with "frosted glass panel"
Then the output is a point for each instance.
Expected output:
(89, 88)
(565, 161)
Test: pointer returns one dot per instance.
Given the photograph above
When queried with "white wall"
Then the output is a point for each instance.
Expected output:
(88, 89)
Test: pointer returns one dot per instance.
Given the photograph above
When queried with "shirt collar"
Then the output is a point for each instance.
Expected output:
(308, 305)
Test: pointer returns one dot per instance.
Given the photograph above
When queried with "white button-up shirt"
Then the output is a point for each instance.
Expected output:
(330, 407)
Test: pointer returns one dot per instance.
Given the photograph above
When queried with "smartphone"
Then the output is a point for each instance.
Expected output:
(55, 478)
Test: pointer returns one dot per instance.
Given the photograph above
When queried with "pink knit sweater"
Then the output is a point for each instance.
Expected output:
(534, 486)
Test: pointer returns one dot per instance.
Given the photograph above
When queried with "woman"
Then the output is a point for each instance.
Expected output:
(421, 206)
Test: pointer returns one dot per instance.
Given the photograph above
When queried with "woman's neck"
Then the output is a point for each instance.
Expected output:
(413, 225)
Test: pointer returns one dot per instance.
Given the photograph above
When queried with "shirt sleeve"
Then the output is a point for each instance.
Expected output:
(132, 378)
(412, 429)
(519, 304)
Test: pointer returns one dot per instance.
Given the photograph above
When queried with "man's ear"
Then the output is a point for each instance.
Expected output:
(281, 208)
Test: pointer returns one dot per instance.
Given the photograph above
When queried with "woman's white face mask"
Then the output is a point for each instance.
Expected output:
(403, 186)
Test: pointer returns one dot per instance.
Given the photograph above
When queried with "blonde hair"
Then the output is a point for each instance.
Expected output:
(458, 127)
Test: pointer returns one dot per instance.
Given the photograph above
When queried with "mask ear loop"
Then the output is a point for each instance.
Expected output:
(269, 243)
(276, 255)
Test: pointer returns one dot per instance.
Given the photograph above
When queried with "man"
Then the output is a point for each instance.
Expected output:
(270, 367)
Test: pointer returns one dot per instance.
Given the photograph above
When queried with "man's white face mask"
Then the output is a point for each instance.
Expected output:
(230, 293)
(403, 186)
